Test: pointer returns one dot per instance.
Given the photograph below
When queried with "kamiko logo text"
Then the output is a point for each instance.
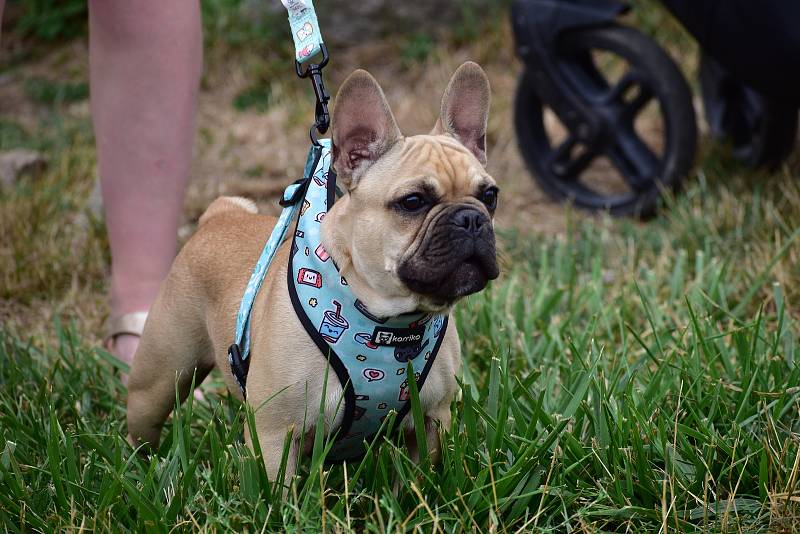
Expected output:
(390, 338)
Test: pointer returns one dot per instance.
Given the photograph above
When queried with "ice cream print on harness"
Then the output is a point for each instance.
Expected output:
(370, 355)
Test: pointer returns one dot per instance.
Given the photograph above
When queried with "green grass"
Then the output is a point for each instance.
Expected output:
(13, 135)
(50, 20)
(622, 378)
(254, 98)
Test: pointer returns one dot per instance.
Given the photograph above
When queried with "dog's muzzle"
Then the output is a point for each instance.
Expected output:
(456, 257)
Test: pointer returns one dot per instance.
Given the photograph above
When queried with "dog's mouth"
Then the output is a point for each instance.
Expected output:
(443, 289)
(451, 263)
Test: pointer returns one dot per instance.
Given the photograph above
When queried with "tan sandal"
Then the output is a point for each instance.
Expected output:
(131, 324)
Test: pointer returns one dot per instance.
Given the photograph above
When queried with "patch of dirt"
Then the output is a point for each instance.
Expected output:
(258, 154)
(232, 144)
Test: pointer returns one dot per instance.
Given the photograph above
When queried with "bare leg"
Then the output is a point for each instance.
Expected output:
(2, 8)
(145, 65)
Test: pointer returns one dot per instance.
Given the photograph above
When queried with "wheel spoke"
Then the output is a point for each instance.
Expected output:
(635, 160)
(561, 155)
(564, 165)
(633, 107)
(574, 167)
(564, 149)
(616, 93)
(629, 109)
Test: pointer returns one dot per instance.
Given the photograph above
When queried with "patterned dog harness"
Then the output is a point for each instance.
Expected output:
(370, 355)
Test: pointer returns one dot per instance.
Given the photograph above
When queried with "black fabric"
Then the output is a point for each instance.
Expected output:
(424, 374)
(331, 190)
(298, 194)
(239, 367)
(757, 41)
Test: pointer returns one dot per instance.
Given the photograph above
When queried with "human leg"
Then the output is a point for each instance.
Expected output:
(145, 65)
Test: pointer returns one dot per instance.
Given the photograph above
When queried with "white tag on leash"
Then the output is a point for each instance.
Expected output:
(305, 28)
(294, 7)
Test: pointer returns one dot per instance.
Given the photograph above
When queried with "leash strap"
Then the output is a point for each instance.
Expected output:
(305, 28)
(238, 352)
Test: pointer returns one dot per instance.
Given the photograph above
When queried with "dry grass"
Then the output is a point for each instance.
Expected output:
(257, 154)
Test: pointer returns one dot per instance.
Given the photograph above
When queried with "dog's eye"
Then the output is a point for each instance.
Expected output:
(489, 198)
(412, 203)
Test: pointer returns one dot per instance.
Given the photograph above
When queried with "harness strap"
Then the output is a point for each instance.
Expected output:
(238, 352)
(305, 28)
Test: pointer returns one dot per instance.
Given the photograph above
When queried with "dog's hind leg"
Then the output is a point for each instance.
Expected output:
(173, 350)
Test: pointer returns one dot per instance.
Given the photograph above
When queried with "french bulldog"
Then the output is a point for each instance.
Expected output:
(413, 231)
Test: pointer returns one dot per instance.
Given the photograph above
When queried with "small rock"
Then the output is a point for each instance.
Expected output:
(609, 276)
(16, 163)
(186, 231)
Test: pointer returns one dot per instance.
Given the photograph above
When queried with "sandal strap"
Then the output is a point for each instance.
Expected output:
(130, 323)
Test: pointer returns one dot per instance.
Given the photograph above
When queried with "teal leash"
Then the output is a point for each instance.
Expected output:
(307, 43)
(238, 352)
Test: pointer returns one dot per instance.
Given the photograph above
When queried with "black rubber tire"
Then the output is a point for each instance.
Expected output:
(762, 130)
(669, 89)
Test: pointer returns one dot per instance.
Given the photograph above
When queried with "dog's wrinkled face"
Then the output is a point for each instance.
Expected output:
(414, 230)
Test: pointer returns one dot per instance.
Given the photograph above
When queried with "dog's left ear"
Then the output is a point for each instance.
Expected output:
(465, 109)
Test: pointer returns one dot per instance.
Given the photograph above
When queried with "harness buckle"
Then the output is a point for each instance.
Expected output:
(322, 118)
(297, 195)
(239, 367)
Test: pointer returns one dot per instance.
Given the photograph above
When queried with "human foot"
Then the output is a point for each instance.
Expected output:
(123, 337)
(123, 347)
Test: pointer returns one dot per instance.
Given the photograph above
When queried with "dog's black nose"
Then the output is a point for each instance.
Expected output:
(469, 219)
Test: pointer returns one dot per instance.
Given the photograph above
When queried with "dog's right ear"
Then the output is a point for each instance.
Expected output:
(363, 127)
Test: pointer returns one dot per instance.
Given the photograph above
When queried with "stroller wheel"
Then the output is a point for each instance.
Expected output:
(761, 130)
(564, 162)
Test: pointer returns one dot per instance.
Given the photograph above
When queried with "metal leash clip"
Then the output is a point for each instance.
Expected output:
(322, 118)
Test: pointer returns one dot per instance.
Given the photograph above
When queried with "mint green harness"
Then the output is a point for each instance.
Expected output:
(370, 355)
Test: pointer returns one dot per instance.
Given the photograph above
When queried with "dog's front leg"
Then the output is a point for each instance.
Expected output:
(437, 417)
(271, 441)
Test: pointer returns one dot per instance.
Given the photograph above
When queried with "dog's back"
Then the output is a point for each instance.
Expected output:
(227, 205)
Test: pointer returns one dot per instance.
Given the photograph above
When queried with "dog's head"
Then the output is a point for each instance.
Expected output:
(414, 229)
